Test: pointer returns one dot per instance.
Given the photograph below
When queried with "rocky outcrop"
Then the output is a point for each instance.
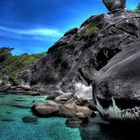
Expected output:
(72, 63)
(101, 56)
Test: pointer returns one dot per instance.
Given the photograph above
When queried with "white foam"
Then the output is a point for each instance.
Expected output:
(83, 91)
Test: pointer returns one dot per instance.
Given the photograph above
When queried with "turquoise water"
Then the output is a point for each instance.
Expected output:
(14, 107)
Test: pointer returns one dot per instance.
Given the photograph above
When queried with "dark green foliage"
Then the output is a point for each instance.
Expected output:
(138, 8)
(6, 50)
(12, 65)
(4, 53)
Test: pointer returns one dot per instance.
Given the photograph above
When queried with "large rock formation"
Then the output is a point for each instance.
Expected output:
(116, 88)
(104, 51)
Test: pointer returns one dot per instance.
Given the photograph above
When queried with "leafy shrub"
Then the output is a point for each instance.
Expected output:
(91, 30)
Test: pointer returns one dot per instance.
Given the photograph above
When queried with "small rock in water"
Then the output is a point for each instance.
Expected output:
(8, 112)
(1, 95)
(28, 119)
(7, 120)
(20, 100)
(33, 101)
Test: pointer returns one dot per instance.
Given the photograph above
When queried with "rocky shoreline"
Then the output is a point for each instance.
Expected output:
(77, 111)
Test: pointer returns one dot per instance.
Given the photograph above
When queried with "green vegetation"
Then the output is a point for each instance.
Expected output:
(91, 30)
(137, 10)
(12, 65)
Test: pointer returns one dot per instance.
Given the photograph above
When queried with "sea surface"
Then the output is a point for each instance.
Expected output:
(14, 107)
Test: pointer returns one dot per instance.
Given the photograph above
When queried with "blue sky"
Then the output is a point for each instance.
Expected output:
(32, 26)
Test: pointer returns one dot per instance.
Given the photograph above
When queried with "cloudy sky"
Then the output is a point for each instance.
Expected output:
(32, 26)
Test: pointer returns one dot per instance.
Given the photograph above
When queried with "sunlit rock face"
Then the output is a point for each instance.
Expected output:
(113, 5)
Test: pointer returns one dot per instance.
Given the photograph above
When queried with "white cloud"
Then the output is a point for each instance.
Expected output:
(43, 32)
(39, 32)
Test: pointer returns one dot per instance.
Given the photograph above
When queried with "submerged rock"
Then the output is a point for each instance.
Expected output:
(7, 120)
(20, 106)
(28, 119)
(73, 122)
(77, 122)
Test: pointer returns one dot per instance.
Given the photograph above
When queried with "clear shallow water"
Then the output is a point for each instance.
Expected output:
(13, 128)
